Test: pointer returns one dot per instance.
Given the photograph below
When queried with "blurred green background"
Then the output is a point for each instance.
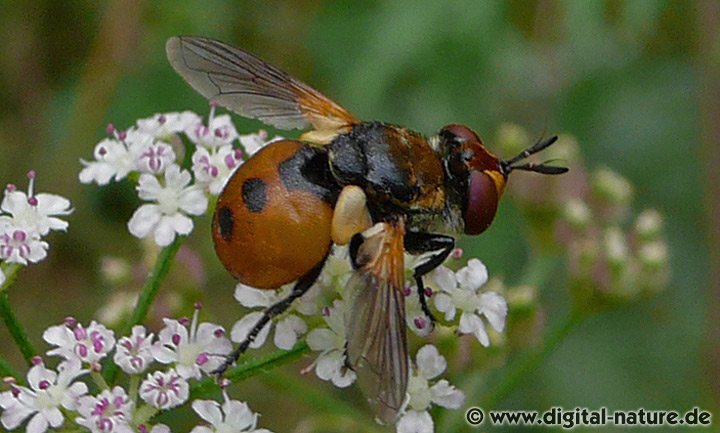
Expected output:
(637, 82)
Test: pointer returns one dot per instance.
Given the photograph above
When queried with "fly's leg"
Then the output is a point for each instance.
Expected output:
(302, 286)
(419, 243)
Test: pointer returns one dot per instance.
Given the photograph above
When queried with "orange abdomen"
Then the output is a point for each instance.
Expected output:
(272, 224)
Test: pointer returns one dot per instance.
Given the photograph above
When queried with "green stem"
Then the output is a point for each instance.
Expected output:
(249, 368)
(143, 414)
(133, 388)
(148, 294)
(10, 271)
(152, 283)
(17, 332)
(531, 360)
(99, 380)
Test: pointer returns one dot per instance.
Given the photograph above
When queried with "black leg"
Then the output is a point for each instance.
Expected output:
(302, 286)
(418, 243)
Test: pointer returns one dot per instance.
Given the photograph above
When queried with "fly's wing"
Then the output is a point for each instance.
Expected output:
(376, 330)
(252, 88)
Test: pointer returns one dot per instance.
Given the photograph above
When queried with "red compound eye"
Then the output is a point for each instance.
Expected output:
(482, 203)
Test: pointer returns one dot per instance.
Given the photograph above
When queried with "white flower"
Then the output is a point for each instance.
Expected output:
(155, 158)
(337, 270)
(330, 364)
(2, 277)
(132, 354)
(459, 291)
(288, 328)
(163, 126)
(47, 393)
(219, 132)
(113, 159)
(21, 246)
(88, 345)
(167, 218)
(415, 317)
(35, 212)
(213, 167)
(254, 142)
(429, 365)
(202, 349)
(109, 412)
(164, 390)
(233, 416)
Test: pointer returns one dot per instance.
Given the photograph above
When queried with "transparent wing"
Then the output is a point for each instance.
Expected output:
(376, 330)
(252, 88)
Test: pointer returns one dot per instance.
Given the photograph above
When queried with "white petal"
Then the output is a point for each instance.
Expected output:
(209, 410)
(144, 220)
(473, 275)
(472, 324)
(415, 422)
(238, 415)
(328, 366)
(54, 417)
(445, 305)
(14, 416)
(164, 235)
(58, 335)
(444, 278)
(160, 428)
(176, 178)
(242, 328)
(430, 363)
(148, 187)
(39, 373)
(344, 377)
(200, 429)
(251, 297)
(99, 172)
(321, 339)
(495, 308)
(162, 354)
(179, 223)
(37, 424)
(14, 202)
(446, 395)
(193, 201)
(287, 331)
(38, 251)
(51, 204)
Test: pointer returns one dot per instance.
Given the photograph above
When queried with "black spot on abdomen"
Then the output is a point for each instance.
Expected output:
(254, 193)
(225, 222)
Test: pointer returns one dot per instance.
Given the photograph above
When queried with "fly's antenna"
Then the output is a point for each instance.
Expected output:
(543, 168)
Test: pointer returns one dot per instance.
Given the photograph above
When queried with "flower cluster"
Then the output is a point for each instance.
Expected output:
(614, 255)
(25, 218)
(190, 349)
(152, 153)
(149, 153)
(458, 296)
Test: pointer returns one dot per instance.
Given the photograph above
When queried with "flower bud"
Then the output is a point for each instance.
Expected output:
(612, 187)
(648, 224)
(577, 213)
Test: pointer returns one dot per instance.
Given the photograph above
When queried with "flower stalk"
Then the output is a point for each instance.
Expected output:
(249, 368)
(152, 284)
(148, 294)
(17, 332)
